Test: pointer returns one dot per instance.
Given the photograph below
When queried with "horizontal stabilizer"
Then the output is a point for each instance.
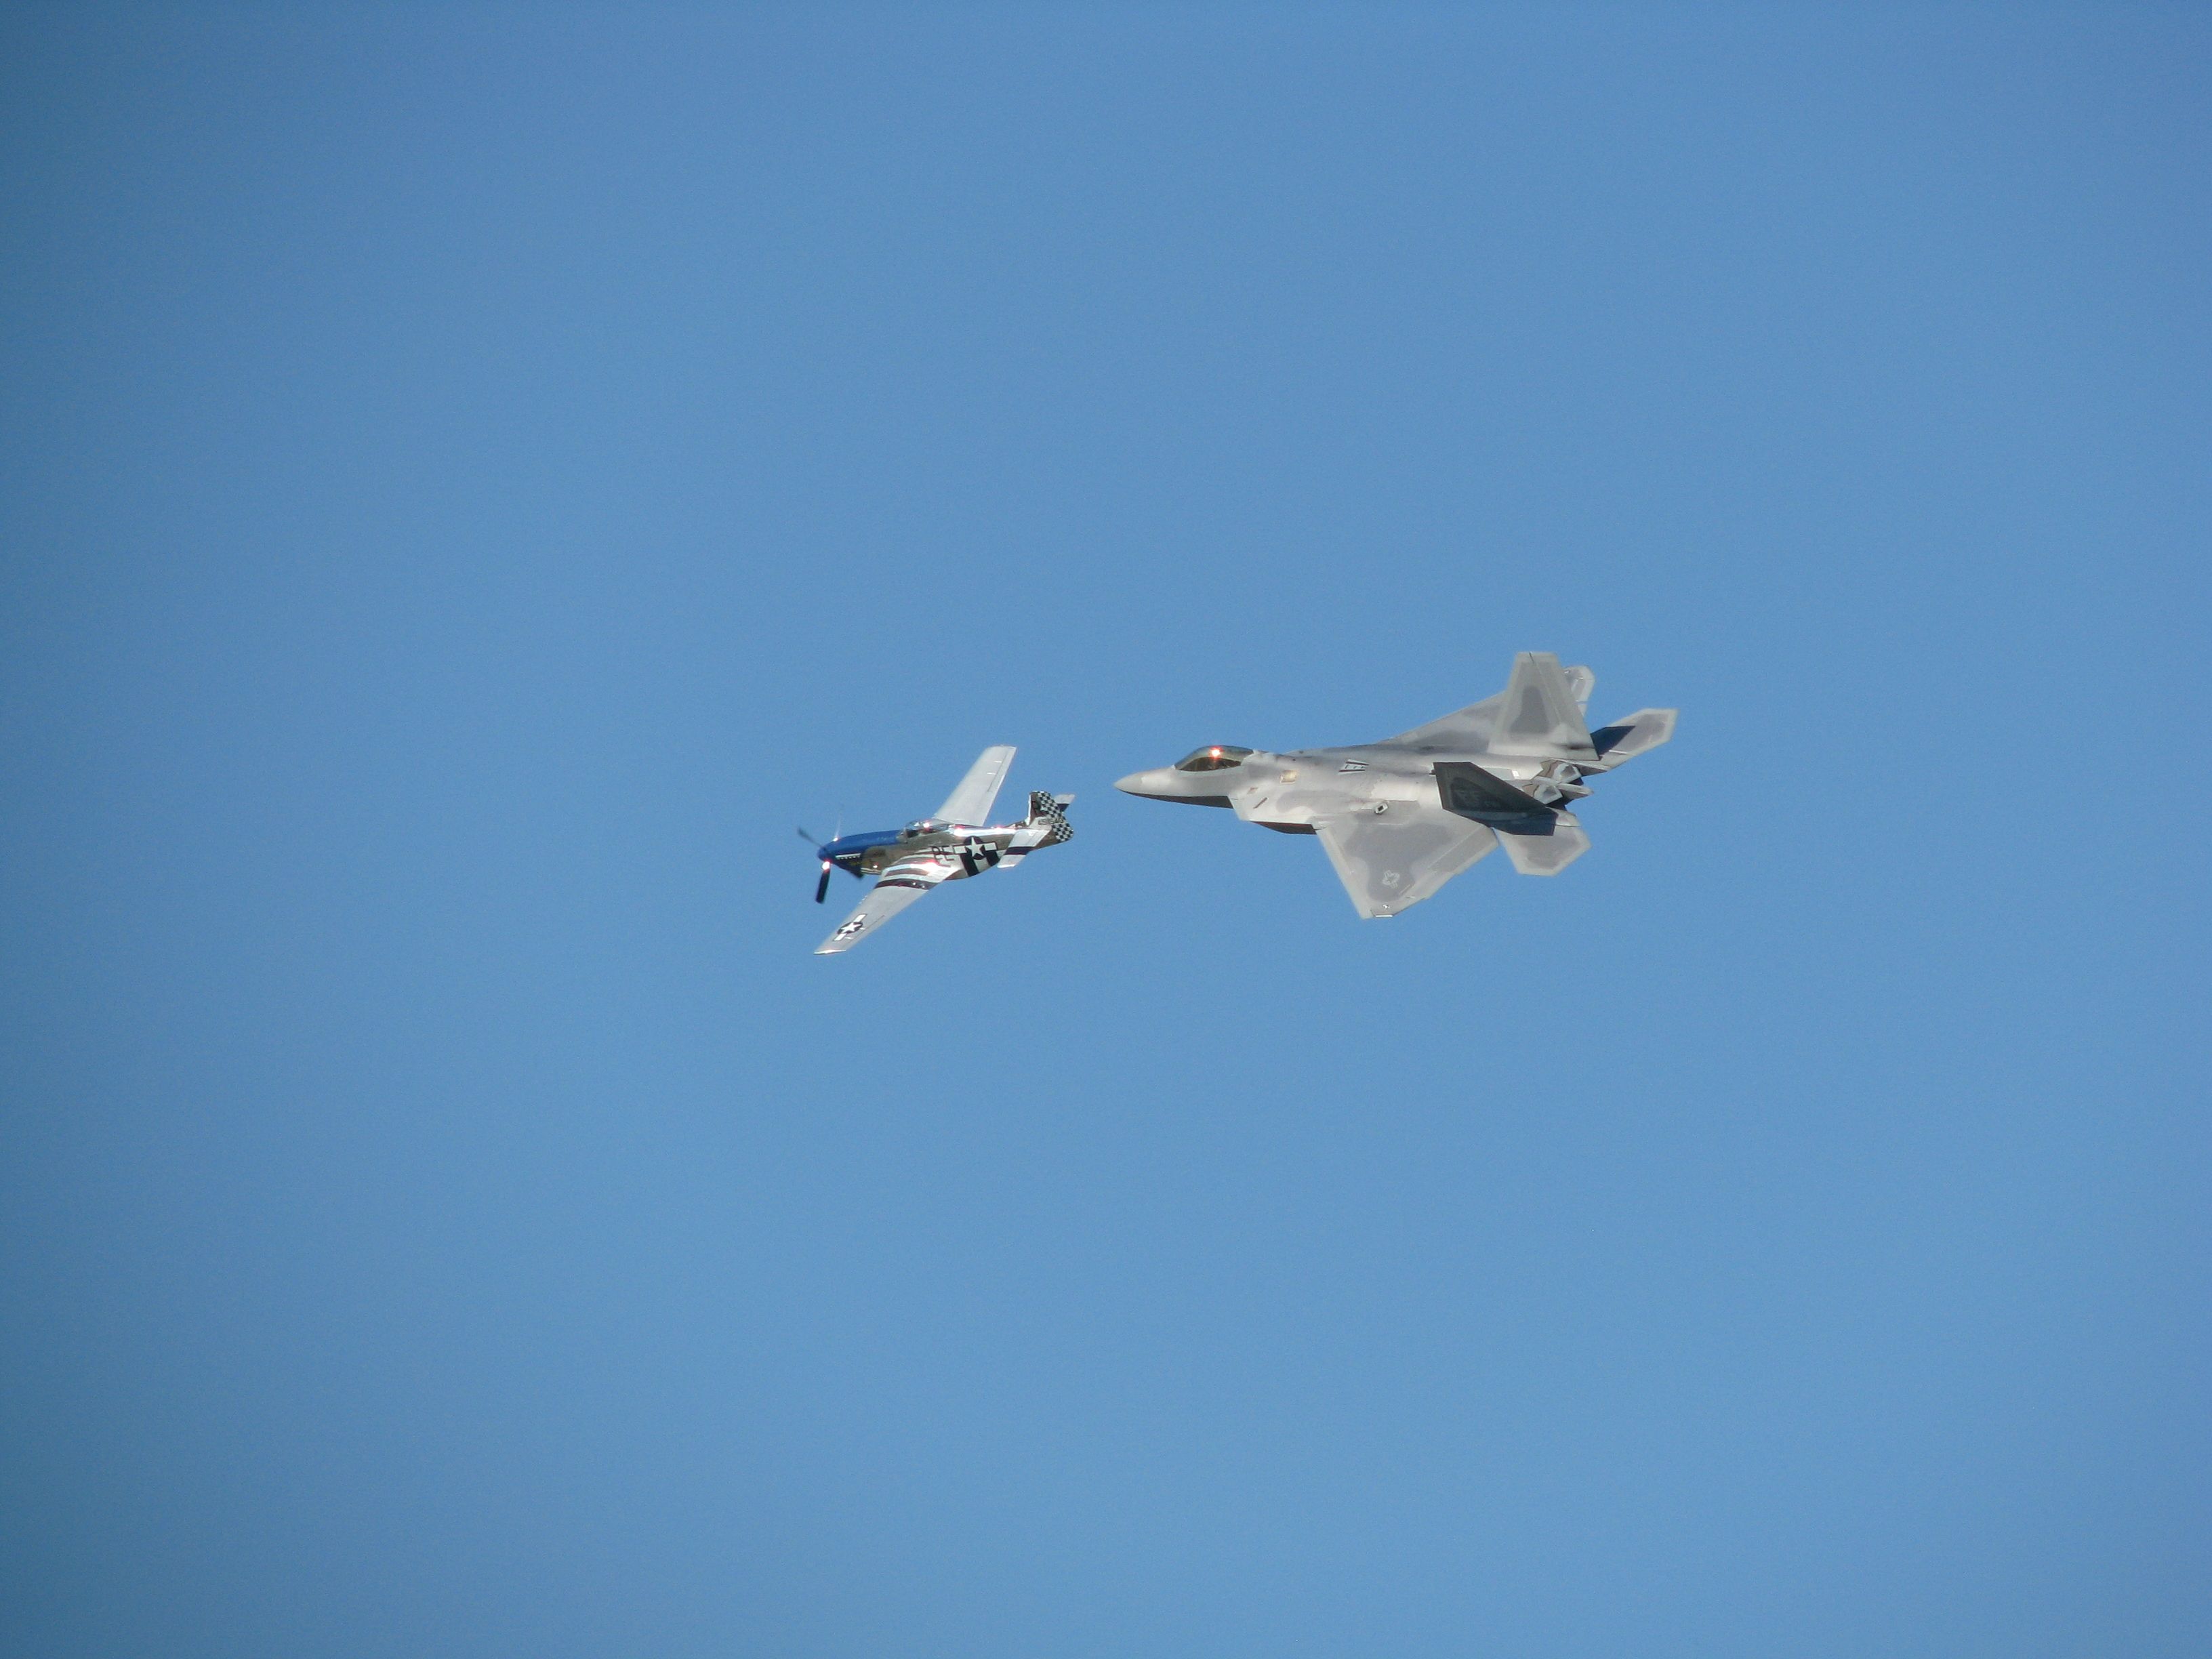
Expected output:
(1625, 739)
(1468, 790)
(1560, 843)
(1046, 825)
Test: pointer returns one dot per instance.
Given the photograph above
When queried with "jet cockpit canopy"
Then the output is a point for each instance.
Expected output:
(1218, 759)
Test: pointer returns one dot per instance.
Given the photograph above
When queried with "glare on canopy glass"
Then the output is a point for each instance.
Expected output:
(1219, 757)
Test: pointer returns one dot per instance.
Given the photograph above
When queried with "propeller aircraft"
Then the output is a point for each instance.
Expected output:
(956, 841)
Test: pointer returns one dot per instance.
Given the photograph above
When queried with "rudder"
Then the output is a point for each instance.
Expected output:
(1046, 825)
(1540, 713)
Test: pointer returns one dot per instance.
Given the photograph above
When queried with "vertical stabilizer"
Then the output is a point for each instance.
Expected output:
(1581, 683)
(1046, 825)
(1539, 713)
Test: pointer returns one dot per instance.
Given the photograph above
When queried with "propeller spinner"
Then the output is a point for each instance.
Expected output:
(821, 887)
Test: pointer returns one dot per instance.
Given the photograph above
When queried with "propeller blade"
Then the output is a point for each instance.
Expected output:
(822, 886)
(809, 838)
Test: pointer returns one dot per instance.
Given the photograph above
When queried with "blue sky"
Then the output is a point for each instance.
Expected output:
(474, 479)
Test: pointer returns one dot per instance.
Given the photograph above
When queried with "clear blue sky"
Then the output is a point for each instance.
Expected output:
(474, 479)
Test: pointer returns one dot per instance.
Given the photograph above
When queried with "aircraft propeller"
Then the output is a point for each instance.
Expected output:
(822, 887)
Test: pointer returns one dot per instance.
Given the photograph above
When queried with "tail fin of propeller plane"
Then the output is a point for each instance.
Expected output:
(1046, 825)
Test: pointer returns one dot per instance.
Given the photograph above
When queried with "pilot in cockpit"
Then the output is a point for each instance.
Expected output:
(1219, 757)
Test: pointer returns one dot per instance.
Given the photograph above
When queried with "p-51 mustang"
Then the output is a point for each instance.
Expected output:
(952, 844)
(1401, 817)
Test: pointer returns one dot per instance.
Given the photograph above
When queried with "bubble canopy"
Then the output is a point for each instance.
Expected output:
(1218, 759)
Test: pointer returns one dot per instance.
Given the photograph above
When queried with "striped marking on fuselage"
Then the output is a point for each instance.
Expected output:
(977, 856)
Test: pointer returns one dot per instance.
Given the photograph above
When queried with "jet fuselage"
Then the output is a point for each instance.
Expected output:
(1400, 817)
(1285, 792)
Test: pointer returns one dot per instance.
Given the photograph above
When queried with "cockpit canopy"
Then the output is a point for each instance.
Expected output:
(1219, 758)
(922, 827)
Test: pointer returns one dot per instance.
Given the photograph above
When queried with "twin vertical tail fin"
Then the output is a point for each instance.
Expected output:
(1046, 825)
(1539, 715)
(1540, 710)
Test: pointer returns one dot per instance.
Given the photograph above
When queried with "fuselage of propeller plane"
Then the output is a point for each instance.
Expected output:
(976, 846)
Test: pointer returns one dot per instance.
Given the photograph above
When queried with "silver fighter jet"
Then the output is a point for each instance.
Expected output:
(1401, 817)
(953, 843)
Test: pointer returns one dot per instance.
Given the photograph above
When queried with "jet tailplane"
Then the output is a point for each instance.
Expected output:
(1631, 736)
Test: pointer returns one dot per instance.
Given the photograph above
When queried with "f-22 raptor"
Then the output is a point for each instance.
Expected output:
(951, 844)
(1400, 817)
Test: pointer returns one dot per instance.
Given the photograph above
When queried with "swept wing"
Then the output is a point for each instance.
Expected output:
(900, 886)
(971, 802)
(1391, 860)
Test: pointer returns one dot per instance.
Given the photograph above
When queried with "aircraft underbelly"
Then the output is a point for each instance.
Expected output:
(1303, 800)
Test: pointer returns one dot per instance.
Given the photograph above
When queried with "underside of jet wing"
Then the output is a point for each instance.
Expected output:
(1391, 858)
